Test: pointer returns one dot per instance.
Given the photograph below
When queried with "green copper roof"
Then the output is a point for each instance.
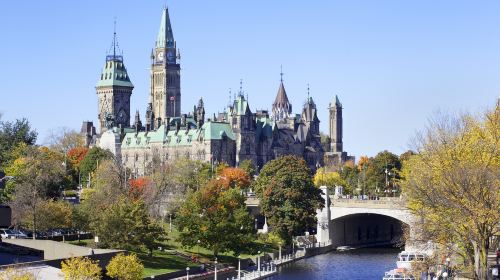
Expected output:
(209, 131)
(114, 73)
(240, 106)
(217, 130)
(165, 36)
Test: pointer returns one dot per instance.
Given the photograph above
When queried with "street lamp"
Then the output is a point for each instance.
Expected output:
(258, 262)
(256, 223)
(239, 267)
(187, 273)
(215, 271)
(170, 221)
(280, 252)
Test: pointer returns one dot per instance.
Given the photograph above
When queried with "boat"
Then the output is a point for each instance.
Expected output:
(398, 274)
(344, 248)
(405, 259)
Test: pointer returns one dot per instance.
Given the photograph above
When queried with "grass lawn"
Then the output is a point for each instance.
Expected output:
(162, 262)
(206, 255)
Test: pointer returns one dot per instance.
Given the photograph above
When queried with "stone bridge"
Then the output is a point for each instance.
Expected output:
(356, 222)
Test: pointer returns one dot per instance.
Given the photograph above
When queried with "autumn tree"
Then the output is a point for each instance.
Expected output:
(80, 268)
(288, 196)
(16, 274)
(249, 167)
(12, 134)
(39, 176)
(233, 177)
(92, 159)
(453, 184)
(217, 216)
(125, 267)
(329, 179)
(126, 225)
(50, 214)
(350, 174)
(64, 139)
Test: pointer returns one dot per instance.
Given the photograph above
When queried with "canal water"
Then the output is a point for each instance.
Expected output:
(360, 264)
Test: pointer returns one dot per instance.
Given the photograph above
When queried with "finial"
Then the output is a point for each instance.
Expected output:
(229, 97)
(307, 92)
(114, 38)
(281, 72)
(241, 87)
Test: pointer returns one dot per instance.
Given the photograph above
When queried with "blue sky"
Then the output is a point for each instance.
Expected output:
(392, 63)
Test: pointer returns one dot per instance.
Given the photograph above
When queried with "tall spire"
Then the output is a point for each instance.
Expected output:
(165, 37)
(282, 108)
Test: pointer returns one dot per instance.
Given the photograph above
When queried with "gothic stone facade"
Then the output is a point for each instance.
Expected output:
(233, 136)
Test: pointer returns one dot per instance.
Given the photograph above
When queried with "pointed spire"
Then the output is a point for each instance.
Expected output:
(337, 102)
(282, 108)
(165, 37)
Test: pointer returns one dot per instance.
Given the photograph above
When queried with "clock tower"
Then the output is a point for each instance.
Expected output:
(165, 91)
(114, 89)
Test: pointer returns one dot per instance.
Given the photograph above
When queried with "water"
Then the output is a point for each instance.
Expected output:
(362, 264)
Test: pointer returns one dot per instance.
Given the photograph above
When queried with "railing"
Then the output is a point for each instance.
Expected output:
(392, 203)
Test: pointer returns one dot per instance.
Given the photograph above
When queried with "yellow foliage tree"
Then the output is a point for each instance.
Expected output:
(125, 267)
(453, 184)
(329, 179)
(16, 274)
(81, 268)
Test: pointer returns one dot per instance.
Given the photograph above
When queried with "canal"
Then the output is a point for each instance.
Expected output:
(361, 264)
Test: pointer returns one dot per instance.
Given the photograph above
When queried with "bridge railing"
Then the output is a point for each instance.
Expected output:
(383, 202)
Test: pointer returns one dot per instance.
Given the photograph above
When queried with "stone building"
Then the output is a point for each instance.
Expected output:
(235, 135)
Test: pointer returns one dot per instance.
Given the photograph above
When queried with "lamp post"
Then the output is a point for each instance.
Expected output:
(170, 222)
(215, 271)
(256, 223)
(239, 267)
(187, 273)
(280, 252)
(258, 262)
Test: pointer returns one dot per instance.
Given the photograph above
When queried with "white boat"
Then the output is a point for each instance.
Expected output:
(405, 259)
(398, 274)
(344, 248)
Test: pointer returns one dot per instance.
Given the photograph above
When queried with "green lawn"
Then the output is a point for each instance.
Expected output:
(162, 262)
(165, 261)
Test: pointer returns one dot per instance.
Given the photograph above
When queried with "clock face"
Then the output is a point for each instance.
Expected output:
(170, 56)
(160, 56)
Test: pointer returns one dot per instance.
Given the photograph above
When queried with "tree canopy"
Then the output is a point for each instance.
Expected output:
(12, 134)
(288, 196)
(453, 184)
(216, 215)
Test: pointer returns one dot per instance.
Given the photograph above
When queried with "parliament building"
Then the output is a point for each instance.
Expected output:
(166, 134)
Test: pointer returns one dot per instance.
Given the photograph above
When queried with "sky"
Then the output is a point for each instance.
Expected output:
(393, 64)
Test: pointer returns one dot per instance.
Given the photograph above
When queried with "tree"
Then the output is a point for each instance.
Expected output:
(16, 274)
(249, 167)
(233, 177)
(39, 176)
(11, 134)
(125, 267)
(50, 214)
(288, 196)
(81, 268)
(91, 160)
(216, 215)
(452, 184)
(350, 174)
(64, 139)
(373, 173)
(127, 225)
(325, 178)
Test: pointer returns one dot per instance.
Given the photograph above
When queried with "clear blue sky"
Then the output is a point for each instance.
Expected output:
(392, 63)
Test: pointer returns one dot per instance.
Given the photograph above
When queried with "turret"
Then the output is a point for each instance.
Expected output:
(336, 129)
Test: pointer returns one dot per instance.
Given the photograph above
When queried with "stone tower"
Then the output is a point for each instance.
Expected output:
(165, 91)
(336, 126)
(243, 124)
(113, 91)
(199, 113)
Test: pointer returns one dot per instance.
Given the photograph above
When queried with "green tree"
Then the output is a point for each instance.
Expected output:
(81, 268)
(91, 160)
(39, 176)
(125, 267)
(249, 167)
(216, 215)
(452, 184)
(350, 173)
(11, 134)
(288, 196)
(127, 225)
(373, 174)
(50, 214)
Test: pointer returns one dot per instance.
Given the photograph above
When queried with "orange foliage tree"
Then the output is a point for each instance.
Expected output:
(137, 186)
(233, 177)
(76, 155)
